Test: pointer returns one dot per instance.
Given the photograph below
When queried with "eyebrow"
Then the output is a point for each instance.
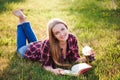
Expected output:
(60, 30)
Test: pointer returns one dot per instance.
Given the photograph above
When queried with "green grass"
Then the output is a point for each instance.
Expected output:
(94, 22)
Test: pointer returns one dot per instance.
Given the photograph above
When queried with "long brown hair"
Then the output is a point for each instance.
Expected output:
(54, 43)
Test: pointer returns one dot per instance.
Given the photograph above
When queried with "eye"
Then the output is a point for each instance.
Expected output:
(62, 29)
(57, 33)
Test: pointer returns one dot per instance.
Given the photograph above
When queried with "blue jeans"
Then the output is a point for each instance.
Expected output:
(24, 32)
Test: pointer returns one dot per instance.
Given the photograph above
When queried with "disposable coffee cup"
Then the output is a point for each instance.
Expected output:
(90, 58)
(88, 53)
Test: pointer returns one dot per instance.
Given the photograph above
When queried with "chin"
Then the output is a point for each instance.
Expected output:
(64, 39)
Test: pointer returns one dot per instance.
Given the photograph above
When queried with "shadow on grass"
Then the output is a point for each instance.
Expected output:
(92, 11)
(90, 75)
(21, 69)
(4, 4)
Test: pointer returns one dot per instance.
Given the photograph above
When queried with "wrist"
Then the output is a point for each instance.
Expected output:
(80, 60)
(48, 68)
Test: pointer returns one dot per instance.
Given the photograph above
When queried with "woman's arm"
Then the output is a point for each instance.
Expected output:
(83, 59)
(56, 71)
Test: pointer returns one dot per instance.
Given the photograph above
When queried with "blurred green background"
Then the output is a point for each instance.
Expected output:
(95, 23)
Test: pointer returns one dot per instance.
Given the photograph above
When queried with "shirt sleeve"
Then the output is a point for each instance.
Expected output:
(46, 58)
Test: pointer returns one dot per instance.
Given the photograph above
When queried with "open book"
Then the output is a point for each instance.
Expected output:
(77, 69)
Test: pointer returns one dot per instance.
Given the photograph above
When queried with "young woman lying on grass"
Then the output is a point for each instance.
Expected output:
(59, 50)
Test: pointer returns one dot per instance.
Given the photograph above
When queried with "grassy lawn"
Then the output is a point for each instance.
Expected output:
(94, 22)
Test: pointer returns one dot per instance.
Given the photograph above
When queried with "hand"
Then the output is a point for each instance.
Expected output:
(83, 59)
(58, 71)
(90, 58)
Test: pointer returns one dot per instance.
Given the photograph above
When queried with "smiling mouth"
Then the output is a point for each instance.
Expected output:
(64, 36)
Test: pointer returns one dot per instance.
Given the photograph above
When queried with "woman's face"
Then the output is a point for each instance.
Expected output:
(60, 32)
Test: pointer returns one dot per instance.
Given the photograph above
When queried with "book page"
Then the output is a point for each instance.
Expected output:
(69, 72)
(77, 69)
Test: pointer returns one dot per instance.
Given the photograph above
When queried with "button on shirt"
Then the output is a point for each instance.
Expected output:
(40, 51)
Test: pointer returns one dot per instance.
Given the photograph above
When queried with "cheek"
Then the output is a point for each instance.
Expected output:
(56, 36)
(66, 31)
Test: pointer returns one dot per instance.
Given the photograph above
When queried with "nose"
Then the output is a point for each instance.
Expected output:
(61, 33)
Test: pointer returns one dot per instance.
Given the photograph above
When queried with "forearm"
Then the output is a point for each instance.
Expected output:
(48, 68)
(83, 59)
(55, 71)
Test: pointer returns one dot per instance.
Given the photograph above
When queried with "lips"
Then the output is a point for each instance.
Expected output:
(64, 36)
